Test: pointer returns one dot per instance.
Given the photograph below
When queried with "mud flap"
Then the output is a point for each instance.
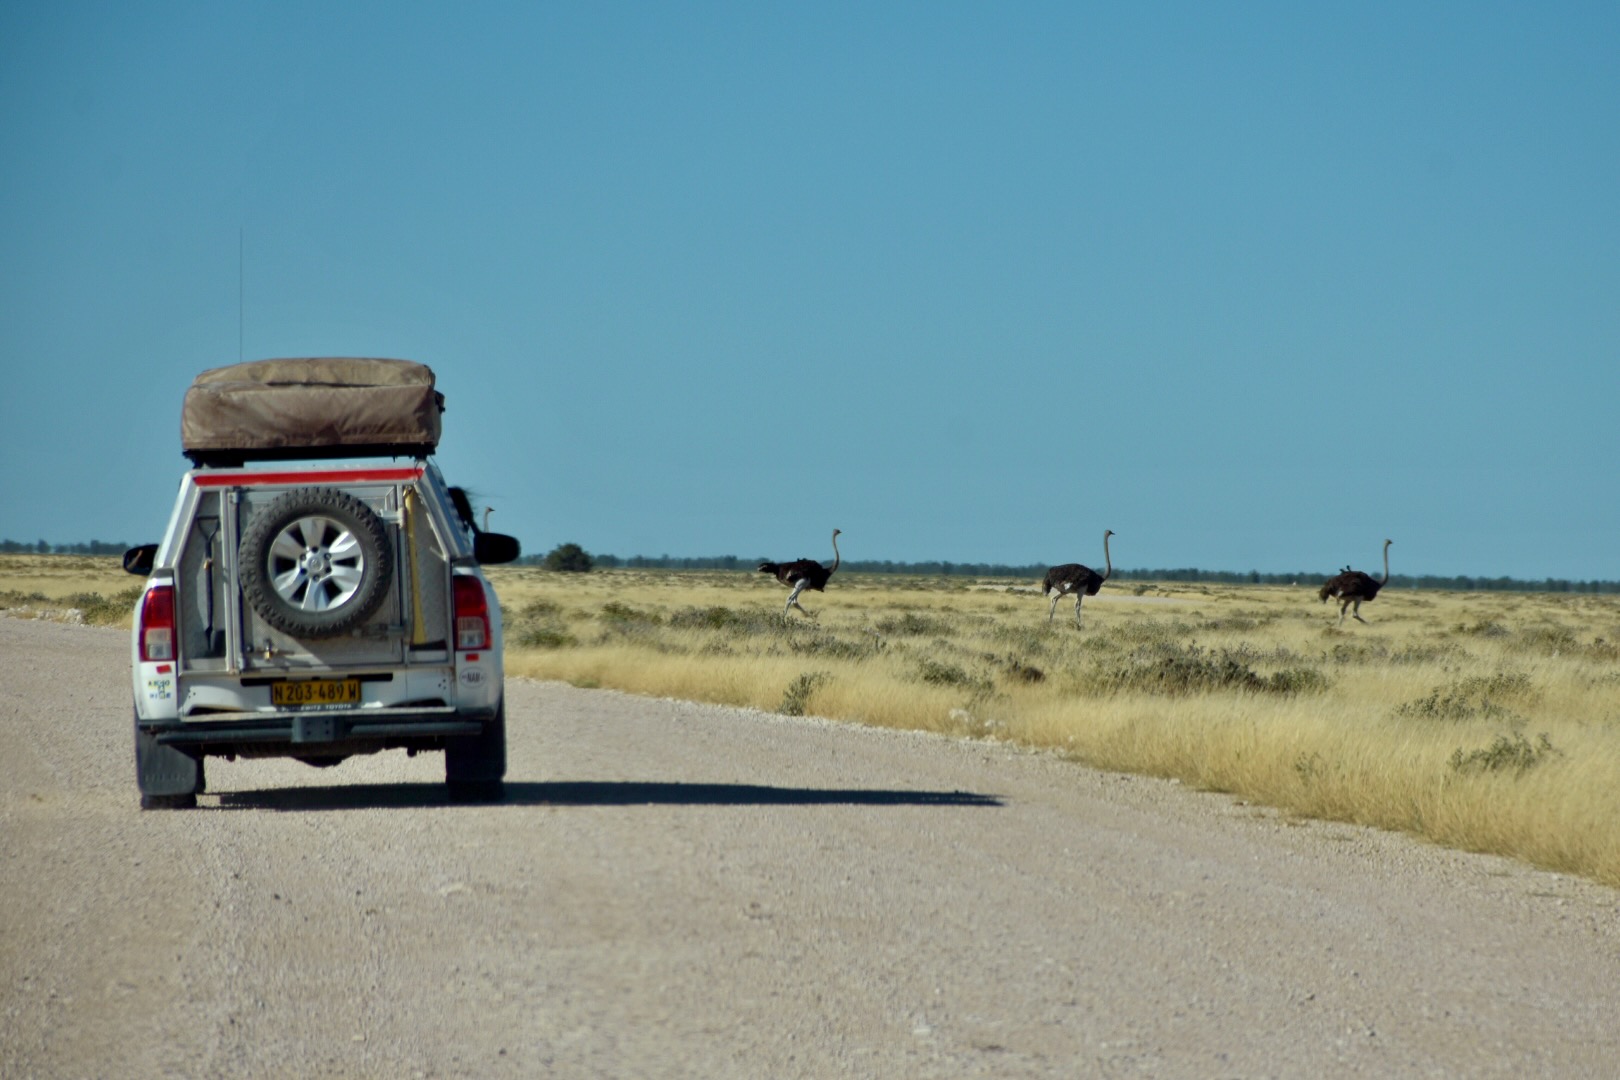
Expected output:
(474, 765)
(162, 770)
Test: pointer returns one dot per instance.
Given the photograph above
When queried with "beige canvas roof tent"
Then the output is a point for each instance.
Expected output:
(318, 407)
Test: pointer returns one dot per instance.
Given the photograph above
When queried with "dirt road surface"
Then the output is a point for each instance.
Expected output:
(676, 890)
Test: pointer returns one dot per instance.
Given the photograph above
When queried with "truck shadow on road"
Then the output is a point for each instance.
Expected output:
(591, 793)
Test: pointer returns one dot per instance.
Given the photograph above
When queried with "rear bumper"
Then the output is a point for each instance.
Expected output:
(314, 730)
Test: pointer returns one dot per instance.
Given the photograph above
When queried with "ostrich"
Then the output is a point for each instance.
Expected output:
(1353, 586)
(1082, 581)
(802, 574)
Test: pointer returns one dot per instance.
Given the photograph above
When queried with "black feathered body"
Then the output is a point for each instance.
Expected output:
(1350, 585)
(1352, 588)
(1071, 578)
(812, 573)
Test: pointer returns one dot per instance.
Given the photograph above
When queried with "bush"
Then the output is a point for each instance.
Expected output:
(820, 643)
(540, 608)
(796, 698)
(912, 624)
(1166, 668)
(1507, 753)
(546, 637)
(1298, 680)
(615, 612)
(1475, 696)
(943, 673)
(720, 617)
(569, 558)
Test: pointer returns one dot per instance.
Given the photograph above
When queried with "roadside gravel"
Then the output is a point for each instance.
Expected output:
(682, 890)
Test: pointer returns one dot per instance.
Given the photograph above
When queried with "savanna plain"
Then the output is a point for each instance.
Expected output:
(1487, 722)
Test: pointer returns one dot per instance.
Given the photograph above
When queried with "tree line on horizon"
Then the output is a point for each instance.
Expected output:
(45, 547)
(571, 557)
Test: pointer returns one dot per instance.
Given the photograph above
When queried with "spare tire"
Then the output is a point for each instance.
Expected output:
(316, 562)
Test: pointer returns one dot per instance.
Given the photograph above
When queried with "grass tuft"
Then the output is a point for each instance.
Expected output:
(796, 698)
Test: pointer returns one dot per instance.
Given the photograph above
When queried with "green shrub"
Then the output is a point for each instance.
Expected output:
(1298, 680)
(1174, 670)
(719, 617)
(915, 624)
(821, 643)
(615, 612)
(545, 637)
(1507, 753)
(943, 673)
(796, 698)
(1475, 696)
(1550, 639)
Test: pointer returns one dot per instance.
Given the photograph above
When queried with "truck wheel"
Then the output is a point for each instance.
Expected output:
(475, 765)
(316, 563)
(169, 779)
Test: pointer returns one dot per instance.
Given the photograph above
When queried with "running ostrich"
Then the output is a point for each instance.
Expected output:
(1353, 586)
(1082, 581)
(802, 574)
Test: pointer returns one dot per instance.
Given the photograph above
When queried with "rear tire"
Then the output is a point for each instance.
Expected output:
(475, 765)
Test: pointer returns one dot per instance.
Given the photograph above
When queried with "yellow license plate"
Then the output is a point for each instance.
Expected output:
(315, 692)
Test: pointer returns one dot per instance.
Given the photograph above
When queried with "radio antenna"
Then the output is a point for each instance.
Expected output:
(240, 332)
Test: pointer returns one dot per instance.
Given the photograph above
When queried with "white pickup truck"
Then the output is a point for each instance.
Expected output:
(317, 593)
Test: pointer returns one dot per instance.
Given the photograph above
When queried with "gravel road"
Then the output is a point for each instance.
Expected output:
(689, 891)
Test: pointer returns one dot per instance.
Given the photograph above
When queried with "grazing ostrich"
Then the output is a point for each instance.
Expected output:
(802, 574)
(1353, 586)
(1082, 581)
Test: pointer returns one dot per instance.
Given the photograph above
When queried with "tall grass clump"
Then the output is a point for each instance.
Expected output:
(796, 698)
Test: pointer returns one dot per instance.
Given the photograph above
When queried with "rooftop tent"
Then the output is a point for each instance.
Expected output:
(320, 407)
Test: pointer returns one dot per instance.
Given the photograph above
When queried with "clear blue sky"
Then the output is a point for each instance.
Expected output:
(1255, 285)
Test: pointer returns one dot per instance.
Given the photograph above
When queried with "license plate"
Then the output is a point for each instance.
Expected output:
(316, 692)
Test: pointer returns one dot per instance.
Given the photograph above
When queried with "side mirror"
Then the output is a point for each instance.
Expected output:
(139, 560)
(493, 548)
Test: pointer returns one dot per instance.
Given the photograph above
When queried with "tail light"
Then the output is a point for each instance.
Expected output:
(157, 623)
(472, 613)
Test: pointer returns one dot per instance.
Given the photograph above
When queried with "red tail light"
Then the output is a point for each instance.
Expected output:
(157, 623)
(472, 614)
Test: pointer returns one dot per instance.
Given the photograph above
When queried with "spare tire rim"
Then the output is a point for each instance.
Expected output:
(316, 564)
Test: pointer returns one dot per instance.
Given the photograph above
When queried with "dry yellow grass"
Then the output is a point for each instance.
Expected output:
(1489, 722)
(1483, 721)
(88, 588)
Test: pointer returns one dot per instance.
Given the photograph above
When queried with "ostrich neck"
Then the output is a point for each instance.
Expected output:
(1386, 566)
(837, 558)
(1108, 560)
